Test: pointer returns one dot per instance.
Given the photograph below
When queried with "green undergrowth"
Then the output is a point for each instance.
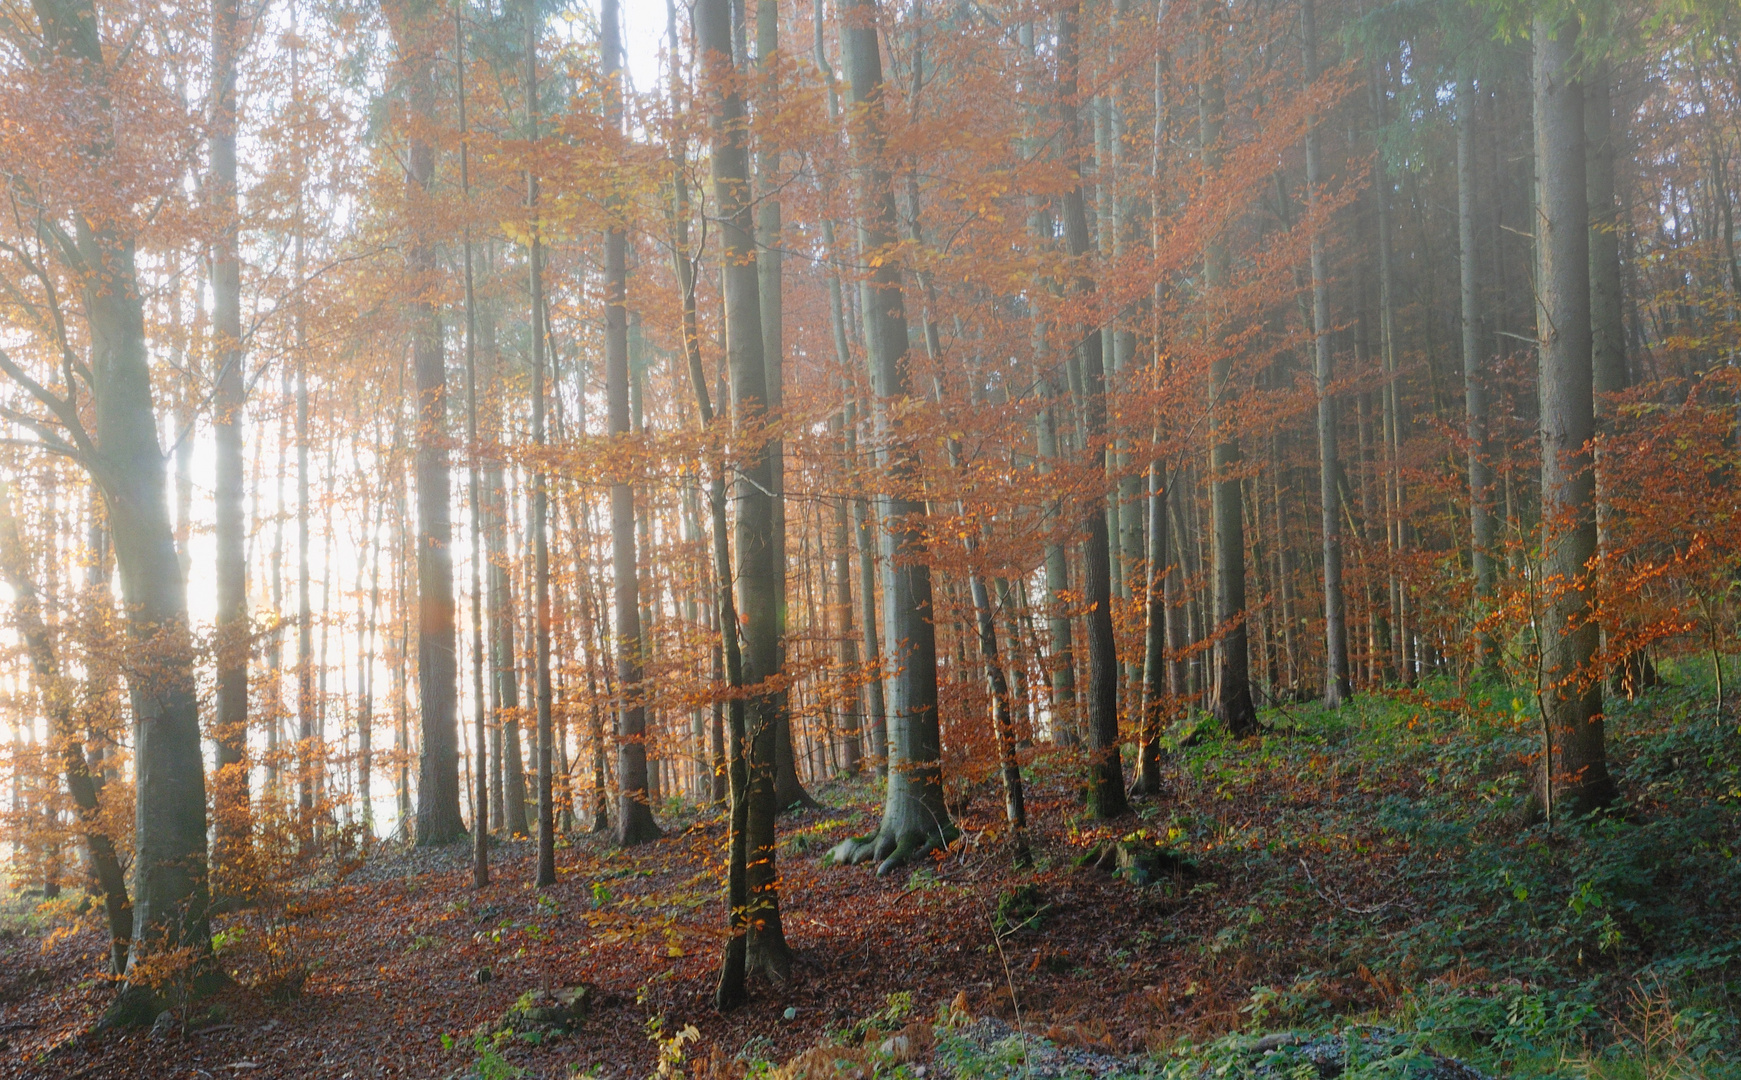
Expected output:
(1402, 825)
(1437, 1036)
(1396, 856)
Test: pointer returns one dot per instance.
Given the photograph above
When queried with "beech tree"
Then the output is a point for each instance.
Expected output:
(914, 817)
(92, 228)
(1576, 768)
(415, 26)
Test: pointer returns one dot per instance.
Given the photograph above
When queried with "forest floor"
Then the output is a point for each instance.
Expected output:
(1368, 866)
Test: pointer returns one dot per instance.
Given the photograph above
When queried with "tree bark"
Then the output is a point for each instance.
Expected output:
(758, 940)
(546, 871)
(788, 789)
(1396, 529)
(1233, 702)
(855, 690)
(915, 820)
(413, 25)
(230, 725)
(1337, 688)
(1106, 798)
(1576, 778)
(481, 809)
(306, 700)
(1632, 672)
(1156, 691)
(1481, 522)
(634, 824)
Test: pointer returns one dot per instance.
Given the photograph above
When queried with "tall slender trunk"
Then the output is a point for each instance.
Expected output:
(1131, 499)
(1336, 685)
(876, 707)
(1059, 628)
(546, 872)
(230, 724)
(1396, 528)
(306, 702)
(592, 626)
(851, 722)
(1156, 693)
(275, 637)
(1233, 701)
(1576, 776)
(481, 810)
(438, 816)
(757, 941)
(1481, 523)
(399, 661)
(855, 690)
(503, 656)
(1061, 665)
(1002, 715)
(727, 657)
(366, 681)
(1106, 798)
(635, 824)
(915, 819)
(1633, 671)
(788, 789)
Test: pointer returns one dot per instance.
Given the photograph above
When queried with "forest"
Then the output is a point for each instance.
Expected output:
(870, 538)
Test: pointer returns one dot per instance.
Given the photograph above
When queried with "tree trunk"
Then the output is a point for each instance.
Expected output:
(1475, 379)
(851, 723)
(635, 824)
(1396, 529)
(1060, 632)
(1233, 702)
(843, 426)
(1576, 776)
(788, 789)
(505, 684)
(366, 683)
(915, 820)
(876, 709)
(1002, 715)
(1337, 688)
(1106, 798)
(1156, 689)
(1632, 672)
(305, 693)
(438, 815)
(546, 872)
(170, 889)
(757, 942)
(230, 725)
(481, 809)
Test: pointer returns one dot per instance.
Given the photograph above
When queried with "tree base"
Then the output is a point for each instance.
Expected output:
(891, 849)
(790, 797)
(135, 1007)
(638, 827)
(767, 955)
(440, 837)
(771, 958)
(1144, 788)
(139, 1006)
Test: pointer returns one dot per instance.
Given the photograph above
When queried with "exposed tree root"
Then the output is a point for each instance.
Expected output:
(890, 849)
